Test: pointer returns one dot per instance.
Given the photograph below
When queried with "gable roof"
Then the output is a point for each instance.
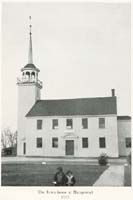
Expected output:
(68, 107)
(123, 117)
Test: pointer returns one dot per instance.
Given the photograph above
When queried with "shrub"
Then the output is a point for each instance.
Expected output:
(103, 159)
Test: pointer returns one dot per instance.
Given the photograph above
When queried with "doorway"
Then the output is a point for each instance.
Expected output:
(70, 147)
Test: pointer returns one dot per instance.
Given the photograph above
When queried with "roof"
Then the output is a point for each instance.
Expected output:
(68, 107)
(30, 66)
(123, 117)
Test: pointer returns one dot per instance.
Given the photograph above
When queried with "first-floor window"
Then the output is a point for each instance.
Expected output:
(39, 142)
(85, 142)
(55, 142)
(102, 142)
(128, 142)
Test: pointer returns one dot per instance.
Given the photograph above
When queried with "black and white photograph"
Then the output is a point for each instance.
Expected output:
(66, 94)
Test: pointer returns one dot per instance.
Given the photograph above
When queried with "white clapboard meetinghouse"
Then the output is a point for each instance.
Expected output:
(78, 127)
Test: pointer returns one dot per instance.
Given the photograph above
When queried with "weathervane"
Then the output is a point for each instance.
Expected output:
(30, 24)
(30, 56)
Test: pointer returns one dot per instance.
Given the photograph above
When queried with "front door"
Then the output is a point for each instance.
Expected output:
(70, 147)
(24, 148)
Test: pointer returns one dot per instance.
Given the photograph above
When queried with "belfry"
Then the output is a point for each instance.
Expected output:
(30, 71)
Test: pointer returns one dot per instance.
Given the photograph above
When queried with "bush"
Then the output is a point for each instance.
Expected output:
(129, 159)
(103, 159)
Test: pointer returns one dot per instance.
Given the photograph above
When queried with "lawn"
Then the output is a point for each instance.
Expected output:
(36, 174)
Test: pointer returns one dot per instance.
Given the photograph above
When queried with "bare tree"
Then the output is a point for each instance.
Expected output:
(3, 140)
(8, 138)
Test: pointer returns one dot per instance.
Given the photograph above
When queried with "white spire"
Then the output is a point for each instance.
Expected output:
(30, 56)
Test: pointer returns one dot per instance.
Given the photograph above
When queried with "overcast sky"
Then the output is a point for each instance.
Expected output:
(81, 49)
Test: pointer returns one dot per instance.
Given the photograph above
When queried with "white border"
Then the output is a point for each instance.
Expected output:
(96, 193)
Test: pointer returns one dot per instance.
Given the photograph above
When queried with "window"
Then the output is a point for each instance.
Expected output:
(101, 122)
(85, 142)
(55, 123)
(69, 123)
(128, 142)
(39, 124)
(102, 143)
(39, 143)
(84, 123)
(55, 142)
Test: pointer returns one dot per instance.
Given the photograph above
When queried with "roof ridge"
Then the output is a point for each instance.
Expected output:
(77, 98)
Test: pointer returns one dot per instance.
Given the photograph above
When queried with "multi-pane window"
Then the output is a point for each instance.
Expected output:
(128, 142)
(69, 123)
(101, 122)
(84, 123)
(55, 142)
(39, 124)
(102, 142)
(39, 142)
(55, 123)
(85, 142)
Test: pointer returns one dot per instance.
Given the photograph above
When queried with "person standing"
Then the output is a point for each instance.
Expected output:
(70, 179)
(59, 177)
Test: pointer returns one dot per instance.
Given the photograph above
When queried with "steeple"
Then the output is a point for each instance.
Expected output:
(30, 56)
(30, 71)
(29, 91)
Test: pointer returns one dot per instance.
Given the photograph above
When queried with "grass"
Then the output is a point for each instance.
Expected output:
(127, 175)
(31, 174)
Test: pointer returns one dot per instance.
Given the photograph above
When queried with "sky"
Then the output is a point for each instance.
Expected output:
(81, 49)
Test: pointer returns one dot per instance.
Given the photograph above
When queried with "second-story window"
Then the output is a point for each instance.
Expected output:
(101, 122)
(84, 123)
(39, 124)
(55, 124)
(69, 123)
